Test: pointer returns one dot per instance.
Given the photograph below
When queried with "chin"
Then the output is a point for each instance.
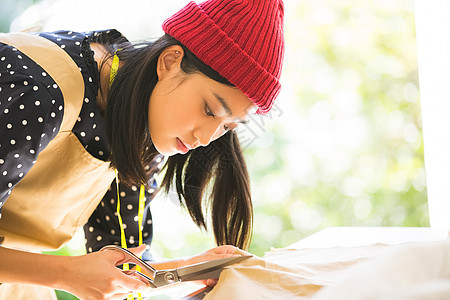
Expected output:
(160, 150)
(165, 152)
(171, 153)
(165, 149)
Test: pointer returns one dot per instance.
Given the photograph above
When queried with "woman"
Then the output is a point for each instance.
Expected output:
(76, 107)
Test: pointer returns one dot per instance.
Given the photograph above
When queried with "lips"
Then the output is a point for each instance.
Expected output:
(182, 147)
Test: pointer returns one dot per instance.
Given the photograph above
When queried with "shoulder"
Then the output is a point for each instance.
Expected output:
(29, 102)
(108, 37)
(26, 88)
(78, 46)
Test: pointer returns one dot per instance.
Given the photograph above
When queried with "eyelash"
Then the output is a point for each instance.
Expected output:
(209, 113)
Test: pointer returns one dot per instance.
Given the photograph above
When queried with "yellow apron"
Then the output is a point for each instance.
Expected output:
(59, 194)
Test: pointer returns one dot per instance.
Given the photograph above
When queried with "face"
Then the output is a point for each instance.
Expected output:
(187, 111)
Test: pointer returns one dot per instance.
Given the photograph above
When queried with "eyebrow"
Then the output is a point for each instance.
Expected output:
(227, 108)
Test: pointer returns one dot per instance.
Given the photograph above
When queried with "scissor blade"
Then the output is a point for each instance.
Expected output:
(208, 269)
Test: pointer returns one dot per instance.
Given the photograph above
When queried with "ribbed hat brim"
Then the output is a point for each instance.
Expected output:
(193, 27)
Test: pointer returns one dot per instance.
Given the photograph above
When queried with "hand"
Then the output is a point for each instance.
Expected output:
(212, 254)
(95, 276)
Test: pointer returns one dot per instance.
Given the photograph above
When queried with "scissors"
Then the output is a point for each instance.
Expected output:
(159, 278)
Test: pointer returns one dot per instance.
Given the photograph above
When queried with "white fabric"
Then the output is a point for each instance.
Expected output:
(412, 271)
(289, 273)
(407, 271)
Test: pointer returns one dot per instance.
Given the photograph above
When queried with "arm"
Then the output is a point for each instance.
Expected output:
(212, 254)
(91, 276)
(31, 111)
(13, 262)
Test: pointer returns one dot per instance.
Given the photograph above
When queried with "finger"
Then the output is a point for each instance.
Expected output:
(211, 282)
(139, 275)
(113, 255)
(120, 296)
(138, 251)
(226, 249)
(130, 283)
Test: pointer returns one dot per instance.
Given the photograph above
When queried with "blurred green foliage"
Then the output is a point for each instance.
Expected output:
(347, 149)
(343, 145)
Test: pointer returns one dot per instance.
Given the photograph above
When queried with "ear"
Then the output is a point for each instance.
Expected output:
(169, 61)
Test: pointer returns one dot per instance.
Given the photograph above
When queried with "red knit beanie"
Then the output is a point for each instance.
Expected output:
(241, 39)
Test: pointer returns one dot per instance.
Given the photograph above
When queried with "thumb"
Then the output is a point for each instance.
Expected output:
(138, 251)
(127, 258)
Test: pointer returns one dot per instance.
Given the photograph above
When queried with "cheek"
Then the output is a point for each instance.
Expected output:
(171, 120)
(184, 114)
(177, 119)
(174, 113)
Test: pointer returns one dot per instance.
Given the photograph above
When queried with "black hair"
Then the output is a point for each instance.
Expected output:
(220, 165)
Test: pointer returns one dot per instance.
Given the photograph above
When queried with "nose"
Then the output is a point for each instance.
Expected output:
(207, 133)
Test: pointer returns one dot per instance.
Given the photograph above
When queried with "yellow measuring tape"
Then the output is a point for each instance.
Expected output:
(114, 68)
(123, 241)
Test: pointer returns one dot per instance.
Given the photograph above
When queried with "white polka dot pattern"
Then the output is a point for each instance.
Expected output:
(31, 109)
(25, 109)
(110, 230)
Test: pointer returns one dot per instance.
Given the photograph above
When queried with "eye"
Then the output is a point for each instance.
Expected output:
(208, 111)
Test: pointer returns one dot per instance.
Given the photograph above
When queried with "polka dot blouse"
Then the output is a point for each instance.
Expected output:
(31, 112)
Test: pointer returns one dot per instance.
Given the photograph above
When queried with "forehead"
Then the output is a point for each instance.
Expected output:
(231, 98)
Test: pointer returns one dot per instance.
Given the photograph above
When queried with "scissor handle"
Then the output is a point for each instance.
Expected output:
(159, 278)
(144, 278)
(132, 258)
